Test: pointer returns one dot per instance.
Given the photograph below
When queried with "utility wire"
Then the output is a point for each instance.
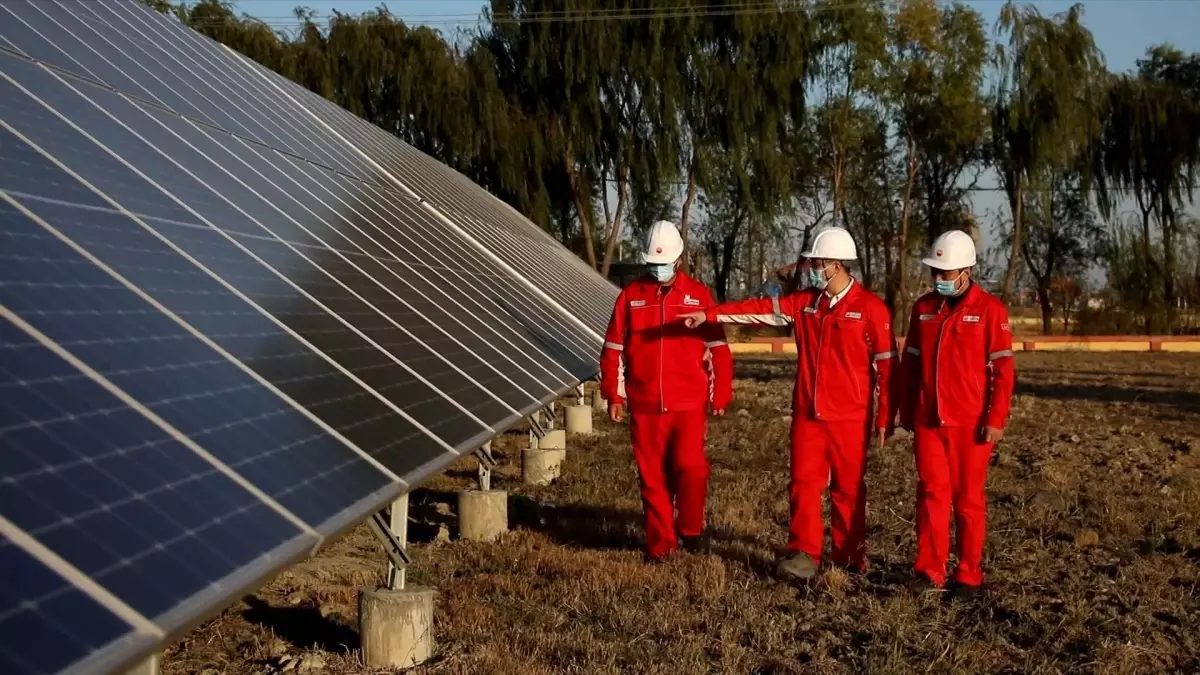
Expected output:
(698, 11)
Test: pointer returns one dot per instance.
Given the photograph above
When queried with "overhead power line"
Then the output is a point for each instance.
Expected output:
(697, 11)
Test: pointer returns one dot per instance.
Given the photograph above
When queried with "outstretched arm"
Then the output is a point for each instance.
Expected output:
(772, 311)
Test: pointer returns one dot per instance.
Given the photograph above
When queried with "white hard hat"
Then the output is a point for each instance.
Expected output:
(663, 245)
(832, 243)
(953, 250)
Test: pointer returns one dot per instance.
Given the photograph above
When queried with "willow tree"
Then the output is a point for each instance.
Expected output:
(550, 71)
(1046, 104)
(934, 74)
(849, 51)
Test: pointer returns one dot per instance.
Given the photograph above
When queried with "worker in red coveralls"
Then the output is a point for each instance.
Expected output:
(845, 351)
(957, 382)
(672, 378)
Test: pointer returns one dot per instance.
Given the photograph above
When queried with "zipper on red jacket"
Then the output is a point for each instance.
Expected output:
(662, 324)
(937, 360)
(817, 363)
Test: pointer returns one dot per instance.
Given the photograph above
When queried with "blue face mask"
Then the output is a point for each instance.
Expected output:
(662, 273)
(948, 287)
(816, 278)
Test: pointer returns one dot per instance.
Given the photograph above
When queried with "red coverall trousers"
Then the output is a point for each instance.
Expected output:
(833, 453)
(951, 465)
(672, 468)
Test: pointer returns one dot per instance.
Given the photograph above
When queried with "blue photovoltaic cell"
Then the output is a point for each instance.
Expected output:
(195, 389)
(313, 266)
(47, 624)
(198, 298)
(236, 266)
(247, 91)
(243, 85)
(113, 494)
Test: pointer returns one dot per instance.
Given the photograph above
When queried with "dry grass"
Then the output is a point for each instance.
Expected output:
(1093, 555)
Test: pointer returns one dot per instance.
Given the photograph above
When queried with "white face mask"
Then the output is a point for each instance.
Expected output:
(662, 273)
(816, 277)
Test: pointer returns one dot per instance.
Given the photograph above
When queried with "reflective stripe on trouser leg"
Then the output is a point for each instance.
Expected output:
(649, 434)
(809, 476)
(968, 470)
(847, 451)
(934, 499)
(689, 469)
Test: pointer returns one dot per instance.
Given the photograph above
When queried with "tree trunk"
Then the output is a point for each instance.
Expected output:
(615, 232)
(1168, 241)
(1043, 291)
(1014, 256)
(902, 245)
(581, 208)
(685, 217)
(1147, 269)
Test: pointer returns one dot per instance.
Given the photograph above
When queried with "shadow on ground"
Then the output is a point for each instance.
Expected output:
(1187, 401)
(302, 627)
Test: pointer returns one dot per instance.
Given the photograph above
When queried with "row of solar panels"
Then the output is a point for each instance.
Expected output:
(234, 320)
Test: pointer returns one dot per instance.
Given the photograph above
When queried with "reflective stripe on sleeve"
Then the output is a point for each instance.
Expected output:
(716, 343)
(613, 345)
(765, 319)
(912, 350)
(882, 356)
(1000, 354)
(775, 305)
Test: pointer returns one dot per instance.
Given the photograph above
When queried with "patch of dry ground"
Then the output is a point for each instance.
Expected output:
(1093, 555)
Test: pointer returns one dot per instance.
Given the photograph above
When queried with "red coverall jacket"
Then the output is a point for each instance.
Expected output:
(948, 355)
(843, 352)
(666, 365)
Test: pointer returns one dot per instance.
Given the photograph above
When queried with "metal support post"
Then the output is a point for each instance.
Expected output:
(486, 463)
(393, 534)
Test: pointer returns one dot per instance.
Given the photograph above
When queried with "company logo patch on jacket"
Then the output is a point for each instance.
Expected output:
(853, 315)
(689, 300)
(1006, 327)
(810, 310)
(971, 318)
(928, 317)
(637, 303)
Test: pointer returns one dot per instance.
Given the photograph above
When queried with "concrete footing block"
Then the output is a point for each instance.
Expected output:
(541, 466)
(482, 514)
(396, 627)
(598, 402)
(579, 419)
(555, 439)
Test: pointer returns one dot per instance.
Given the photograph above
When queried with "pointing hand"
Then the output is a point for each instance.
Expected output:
(693, 319)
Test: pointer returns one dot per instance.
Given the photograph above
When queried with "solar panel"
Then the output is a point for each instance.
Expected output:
(234, 321)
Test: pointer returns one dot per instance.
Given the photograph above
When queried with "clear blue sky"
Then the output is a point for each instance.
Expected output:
(1123, 30)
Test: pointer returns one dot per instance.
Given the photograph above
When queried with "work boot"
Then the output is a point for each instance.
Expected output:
(966, 592)
(799, 567)
(920, 584)
(698, 544)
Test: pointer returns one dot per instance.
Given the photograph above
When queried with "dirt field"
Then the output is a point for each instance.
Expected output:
(1093, 555)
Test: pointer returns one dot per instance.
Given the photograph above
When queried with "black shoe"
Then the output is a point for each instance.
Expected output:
(698, 544)
(922, 584)
(966, 592)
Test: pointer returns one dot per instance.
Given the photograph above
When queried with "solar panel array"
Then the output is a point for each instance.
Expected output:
(234, 320)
